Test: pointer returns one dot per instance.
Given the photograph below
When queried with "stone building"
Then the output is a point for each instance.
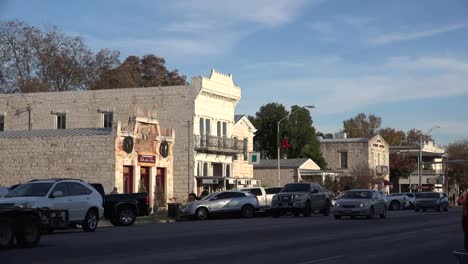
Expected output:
(291, 170)
(201, 114)
(130, 157)
(347, 156)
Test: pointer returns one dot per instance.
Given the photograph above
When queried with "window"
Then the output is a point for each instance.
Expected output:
(2, 123)
(61, 187)
(344, 160)
(227, 195)
(245, 149)
(205, 169)
(107, 118)
(31, 190)
(218, 129)
(61, 121)
(273, 190)
(77, 189)
(224, 129)
(208, 126)
(202, 126)
(256, 191)
(228, 170)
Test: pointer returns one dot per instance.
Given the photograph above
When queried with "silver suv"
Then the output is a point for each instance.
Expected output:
(301, 198)
(221, 203)
(81, 200)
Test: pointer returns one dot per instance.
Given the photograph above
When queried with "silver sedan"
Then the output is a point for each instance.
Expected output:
(360, 202)
(221, 203)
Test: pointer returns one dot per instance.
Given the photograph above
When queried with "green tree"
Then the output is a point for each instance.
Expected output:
(265, 121)
(297, 128)
(362, 125)
(412, 137)
(392, 136)
(458, 171)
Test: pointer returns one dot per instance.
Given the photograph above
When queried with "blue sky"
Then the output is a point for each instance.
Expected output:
(405, 61)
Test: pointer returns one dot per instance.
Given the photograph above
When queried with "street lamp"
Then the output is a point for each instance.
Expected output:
(278, 136)
(420, 156)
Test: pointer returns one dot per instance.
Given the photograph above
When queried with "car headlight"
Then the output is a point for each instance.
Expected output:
(26, 204)
(364, 204)
(337, 204)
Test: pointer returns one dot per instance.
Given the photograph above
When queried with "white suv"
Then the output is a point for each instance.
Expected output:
(83, 202)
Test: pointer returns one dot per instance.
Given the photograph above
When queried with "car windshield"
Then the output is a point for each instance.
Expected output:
(409, 194)
(427, 195)
(31, 189)
(357, 195)
(209, 196)
(296, 188)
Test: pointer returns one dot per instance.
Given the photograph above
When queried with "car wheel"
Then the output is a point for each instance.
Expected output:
(28, 233)
(440, 208)
(446, 208)
(384, 213)
(394, 205)
(247, 211)
(91, 221)
(126, 216)
(307, 209)
(326, 210)
(6, 233)
(337, 216)
(201, 213)
(371, 213)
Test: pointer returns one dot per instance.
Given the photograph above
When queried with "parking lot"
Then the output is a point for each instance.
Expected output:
(404, 237)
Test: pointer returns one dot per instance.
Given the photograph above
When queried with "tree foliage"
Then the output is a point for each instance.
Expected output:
(401, 167)
(458, 151)
(35, 60)
(298, 128)
(362, 125)
(392, 136)
(412, 137)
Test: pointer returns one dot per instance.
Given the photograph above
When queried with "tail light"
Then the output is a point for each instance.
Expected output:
(147, 199)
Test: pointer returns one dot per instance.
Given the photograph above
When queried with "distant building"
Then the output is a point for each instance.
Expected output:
(433, 169)
(292, 170)
(346, 155)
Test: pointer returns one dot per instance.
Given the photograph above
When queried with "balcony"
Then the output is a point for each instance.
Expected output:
(218, 145)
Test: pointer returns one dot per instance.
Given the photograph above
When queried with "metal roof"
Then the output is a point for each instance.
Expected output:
(337, 140)
(73, 132)
(284, 163)
(237, 118)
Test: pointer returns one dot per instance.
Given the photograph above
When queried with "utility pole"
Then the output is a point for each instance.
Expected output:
(188, 156)
(420, 163)
(29, 118)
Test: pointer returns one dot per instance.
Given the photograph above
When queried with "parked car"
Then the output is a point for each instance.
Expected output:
(264, 197)
(360, 202)
(81, 200)
(4, 191)
(221, 203)
(301, 198)
(465, 223)
(22, 225)
(397, 201)
(412, 199)
(123, 209)
(431, 201)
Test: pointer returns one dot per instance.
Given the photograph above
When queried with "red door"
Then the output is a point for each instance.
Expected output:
(145, 177)
(161, 178)
(128, 179)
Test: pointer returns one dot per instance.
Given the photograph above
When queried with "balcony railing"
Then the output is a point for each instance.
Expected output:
(381, 169)
(218, 144)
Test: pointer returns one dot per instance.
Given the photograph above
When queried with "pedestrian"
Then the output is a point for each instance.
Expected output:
(114, 191)
(192, 197)
(204, 193)
(454, 200)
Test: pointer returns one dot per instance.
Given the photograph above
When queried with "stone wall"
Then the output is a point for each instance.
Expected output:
(172, 106)
(241, 166)
(357, 155)
(90, 158)
(269, 177)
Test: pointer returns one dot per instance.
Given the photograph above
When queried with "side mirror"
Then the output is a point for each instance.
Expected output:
(57, 194)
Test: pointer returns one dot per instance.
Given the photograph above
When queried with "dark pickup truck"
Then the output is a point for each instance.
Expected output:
(123, 209)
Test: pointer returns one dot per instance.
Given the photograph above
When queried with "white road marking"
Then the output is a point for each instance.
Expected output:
(321, 260)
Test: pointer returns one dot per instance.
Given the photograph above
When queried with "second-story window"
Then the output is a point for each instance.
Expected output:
(343, 160)
(207, 126)
(202, 126)
(246, 151)
(2, 123)
(107, 117)
(61, 121)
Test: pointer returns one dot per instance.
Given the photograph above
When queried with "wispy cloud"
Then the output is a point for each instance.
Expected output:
(387, 38)
(322, 27)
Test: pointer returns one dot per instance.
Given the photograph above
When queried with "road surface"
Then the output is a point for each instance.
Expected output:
(404, 237)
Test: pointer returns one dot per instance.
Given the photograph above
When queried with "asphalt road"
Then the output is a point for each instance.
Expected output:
(404, 237)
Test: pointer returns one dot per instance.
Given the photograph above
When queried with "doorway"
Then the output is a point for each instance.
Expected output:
(128, 179)
(144, 179)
